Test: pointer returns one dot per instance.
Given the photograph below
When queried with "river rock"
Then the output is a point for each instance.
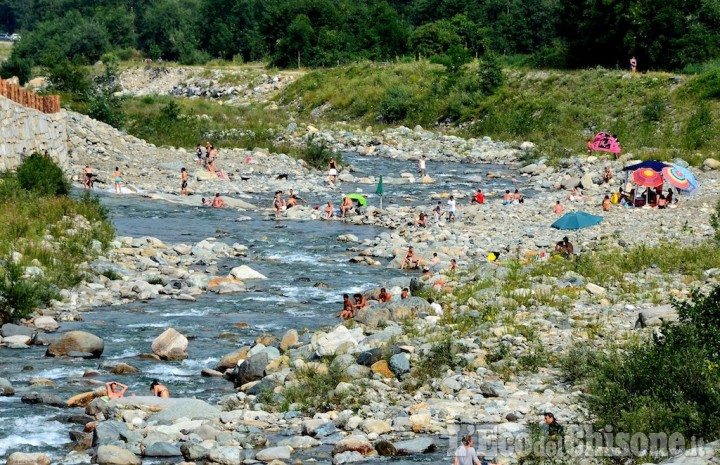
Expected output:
(353, 443)
(192, 409)
(595, 289)
(299, 442)
(381, 368)
(170, 345)
(372, 315)
(274, 453)
(9, 329)
(162, 449)
(76, 342)
(22, 458)
(231, 360)
(289, 339)
(711, 164)
(46, 323)
(42, 398)
(252, 369)
(385, 448)
(6, 389)
(348, 457)
(225, 455)
(400, 363)
(402, 309)
(328, 344)
(373, 425)
(415, 446)
(108, 432)
(244, 273)
(114, 455)
(19, 339)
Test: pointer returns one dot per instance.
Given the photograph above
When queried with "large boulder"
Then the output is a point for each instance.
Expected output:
(46, 323)
(6, 389)
(711, 164)
(22, 458)
(415, 446)
(252, 369)
(244, 273)
(274, 453)
(353, 443)
(331, 343)
(231, 360)
(113, 455)
(170, 345)
(76, 343)
(192, 409)
(372, 315)
(402, 309)
(9, 329)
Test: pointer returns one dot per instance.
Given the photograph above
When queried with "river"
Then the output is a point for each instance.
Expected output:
(293, 255)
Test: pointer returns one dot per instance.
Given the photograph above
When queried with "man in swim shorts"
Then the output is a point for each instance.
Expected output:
(118, 181)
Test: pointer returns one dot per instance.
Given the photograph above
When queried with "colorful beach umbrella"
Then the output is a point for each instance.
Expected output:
(680, 177)
(647, 177)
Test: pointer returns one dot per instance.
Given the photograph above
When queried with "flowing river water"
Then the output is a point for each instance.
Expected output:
(293, 255)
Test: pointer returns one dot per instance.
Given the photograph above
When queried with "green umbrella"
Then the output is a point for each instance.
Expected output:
(361, 200)
(380, 191)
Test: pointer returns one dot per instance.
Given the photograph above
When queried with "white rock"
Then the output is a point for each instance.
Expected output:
(244, 273)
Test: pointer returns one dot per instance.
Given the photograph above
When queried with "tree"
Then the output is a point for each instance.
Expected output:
(296, 42)
(434, 38)
(490, 73)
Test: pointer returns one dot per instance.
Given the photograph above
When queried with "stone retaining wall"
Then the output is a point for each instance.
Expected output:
(21, 126)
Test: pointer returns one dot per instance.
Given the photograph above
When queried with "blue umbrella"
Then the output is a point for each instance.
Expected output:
(577, 220)
(652, 164)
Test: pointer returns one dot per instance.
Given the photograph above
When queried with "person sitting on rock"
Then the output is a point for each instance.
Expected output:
(575, 195)
(564, 247)
(384, 296)
(478, 198)
(507, 197)
(453, 265)
(422, 220)
(607, 175)
(346, 205)
(159, 390)
(206, 202)
(360, 302)
(405, 293)
(217, 201)
(348, 308)
(517, 197)
(291, 202)
(329, 210)
(115, 390)
(410, 261)
(558, 209)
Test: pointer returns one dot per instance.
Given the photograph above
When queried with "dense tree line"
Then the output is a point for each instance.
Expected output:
(553, 33)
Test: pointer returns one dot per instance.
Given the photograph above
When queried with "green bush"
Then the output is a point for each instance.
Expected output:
(699, 127)
(668, 384)
(16, 66)
(396, 105)
(19, 295)
(317, 154)
(490, 73)
(42, 176)
(655, 109)
(715, 221)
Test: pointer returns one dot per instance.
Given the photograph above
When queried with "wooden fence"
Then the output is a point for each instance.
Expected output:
(44, 103)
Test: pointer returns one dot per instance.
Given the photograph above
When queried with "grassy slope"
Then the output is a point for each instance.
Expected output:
(657, 115)
(558, 110)
(5, 50)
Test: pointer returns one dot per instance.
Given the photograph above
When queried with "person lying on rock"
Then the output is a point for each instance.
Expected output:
(159, 390)
(115, 390)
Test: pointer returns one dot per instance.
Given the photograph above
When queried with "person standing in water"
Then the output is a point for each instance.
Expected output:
(183, 184)
(422, 170)
(159, 390)
(332, 171)
(118, 181)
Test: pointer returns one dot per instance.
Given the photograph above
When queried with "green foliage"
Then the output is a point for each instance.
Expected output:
(104, 104)
(654, 109)
(715, 220)
(65, 76)
(669, 384)
(20, 295)
(42, 176)
(317, 154)
(490, 73)
(396, 105)
(699, 128)
(313, 390)
(433, 364)
(454, 59)
(17, 66)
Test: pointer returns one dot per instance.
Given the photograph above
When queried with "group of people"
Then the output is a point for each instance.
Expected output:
(115, 390)
(351, 307)
(215, 202)
(88, 178)
(279, 204)
(512, 197)
(208, 157)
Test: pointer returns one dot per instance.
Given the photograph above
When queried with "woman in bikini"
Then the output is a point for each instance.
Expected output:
(332, 171)
(118, 181)
(159, 390)
(278, 204)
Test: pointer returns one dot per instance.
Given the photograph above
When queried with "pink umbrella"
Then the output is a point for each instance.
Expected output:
(647, 177)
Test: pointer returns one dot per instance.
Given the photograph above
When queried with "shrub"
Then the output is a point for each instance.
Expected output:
(715, 221)
(655, 109)
(490, 73)
(669, 384)
(42, 176)
(19, 295)
(16, 66)
(698, 128)
(317, 154)
(396, 104)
